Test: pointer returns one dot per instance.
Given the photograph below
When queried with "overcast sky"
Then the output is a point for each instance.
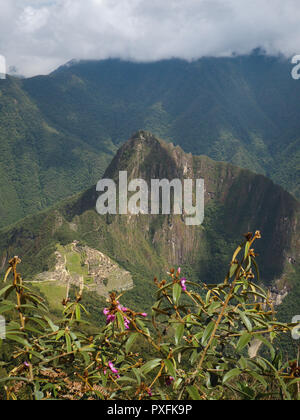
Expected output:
(37, 36)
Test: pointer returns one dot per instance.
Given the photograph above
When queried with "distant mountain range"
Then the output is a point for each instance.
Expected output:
(59, 132)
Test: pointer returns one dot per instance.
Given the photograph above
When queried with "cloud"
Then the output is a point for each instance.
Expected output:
(37, 36)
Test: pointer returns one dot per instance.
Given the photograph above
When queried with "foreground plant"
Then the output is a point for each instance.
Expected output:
(204, 342)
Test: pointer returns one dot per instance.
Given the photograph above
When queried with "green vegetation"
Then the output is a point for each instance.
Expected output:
(59, 132)
(57, 136)
(145, 246)
(74, 261)
(241, 110)
(39, 164)
(205, 342)
(289, 309)
(53, 293)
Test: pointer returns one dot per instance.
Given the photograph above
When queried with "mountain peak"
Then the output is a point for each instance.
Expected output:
(144, 138)
(145, 156)
(144, 135)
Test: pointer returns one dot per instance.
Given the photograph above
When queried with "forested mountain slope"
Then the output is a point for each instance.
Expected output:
(59, 132)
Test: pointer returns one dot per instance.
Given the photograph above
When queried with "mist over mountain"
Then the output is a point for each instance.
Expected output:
(244, 109)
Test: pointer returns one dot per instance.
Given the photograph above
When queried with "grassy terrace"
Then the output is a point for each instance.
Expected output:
(75, 262)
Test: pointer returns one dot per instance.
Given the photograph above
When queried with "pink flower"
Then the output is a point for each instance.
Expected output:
(182, 283)
(122, 308)
(126, 323)
(106, 311)
(110, 318)
(26, 364)
(112, 368)
(149, 392)
(179, 270)
(144, 314)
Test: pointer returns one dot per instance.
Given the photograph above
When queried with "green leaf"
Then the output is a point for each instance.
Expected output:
(86, 358)
(242, 363)
(14, 378)
(53, 327)
(68, 343)
(243, 341)
(32, 329)
(193, 392)
(294, 381)
(120, 321)
(18, 339)
(7, 308)
(126, 379)
(231, 374)
(179, 333)
(170, 367)
(37, 300)
(77, 313)
(248, 259)
(278, 377)
(193, 357)
(260, 378)
(73, 336)
(11, 328)
(257, 294)
(60, 334)
(131, 341)
(152, 364)
(246, 321)
(83, 308)
(279, 324)
(233, 269)
(38, 321)
(7, 290)
(37, 355)
(207, 333)
(246, 391)
(176, 293)
(247, 246)
(177, 383)
(142, 326)
(213, 307)
(268, 344)
(138, 375)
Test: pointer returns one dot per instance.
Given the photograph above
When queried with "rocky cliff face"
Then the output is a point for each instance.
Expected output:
(236, 201)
